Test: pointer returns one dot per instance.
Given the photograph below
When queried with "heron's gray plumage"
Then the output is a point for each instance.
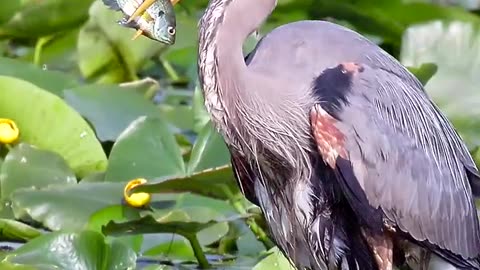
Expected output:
(316, 213)
(419, 181)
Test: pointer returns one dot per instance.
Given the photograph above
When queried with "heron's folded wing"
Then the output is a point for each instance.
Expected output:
(396, 154)
(244, 176)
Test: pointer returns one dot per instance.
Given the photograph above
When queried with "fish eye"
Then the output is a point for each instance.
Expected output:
(171, 30)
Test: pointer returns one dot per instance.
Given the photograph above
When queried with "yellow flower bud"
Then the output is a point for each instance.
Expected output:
(8, 131)
(136, 199)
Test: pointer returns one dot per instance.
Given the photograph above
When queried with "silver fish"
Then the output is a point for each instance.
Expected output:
(154, 19)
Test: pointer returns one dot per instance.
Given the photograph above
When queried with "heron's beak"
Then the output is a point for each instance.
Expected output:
(137, 34)
(144, 6)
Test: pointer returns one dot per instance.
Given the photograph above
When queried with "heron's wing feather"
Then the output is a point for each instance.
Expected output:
(244, 176)
(395, 153)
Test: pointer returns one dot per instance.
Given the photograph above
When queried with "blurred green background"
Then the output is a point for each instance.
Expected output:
(96, 110)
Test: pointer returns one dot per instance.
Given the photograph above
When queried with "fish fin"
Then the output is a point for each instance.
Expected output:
(112, 4)
(129, 24)
(174, 2)
(141, 9)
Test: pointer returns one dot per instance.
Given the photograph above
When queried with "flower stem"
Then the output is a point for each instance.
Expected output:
(197, 250)
(170, 70)
(259, 233)
(41, 42)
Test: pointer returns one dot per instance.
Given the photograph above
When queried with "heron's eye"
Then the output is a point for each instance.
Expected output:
(171, 30)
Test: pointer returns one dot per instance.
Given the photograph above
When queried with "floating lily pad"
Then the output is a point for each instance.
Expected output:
(209, 183)
(52, 81)
(209, 151)
(46, 17)
(84, 250)
(275, 260)
(47, 122)
(12, 230)
(109, 108)
(27, 166)
(65, 207)
(146, 149)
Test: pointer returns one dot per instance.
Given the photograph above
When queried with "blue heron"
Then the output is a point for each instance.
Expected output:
(337, 142)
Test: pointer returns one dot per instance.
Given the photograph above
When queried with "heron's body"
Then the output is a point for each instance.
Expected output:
(337, 143)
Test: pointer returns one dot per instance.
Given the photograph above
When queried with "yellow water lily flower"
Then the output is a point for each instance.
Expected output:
(136, 199)
(8, 131)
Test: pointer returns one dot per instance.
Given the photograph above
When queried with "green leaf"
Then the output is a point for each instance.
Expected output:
(52, 81)
(109, 108)
(148, 224)
(424, 72)
(168, 245)
(200, 114)
(106, 52)
(209, 151)
(49, 123)
(146, 149)
(84, 250)
(455, 49)
(12, 230)
(275, 260)
(118, 213)
(65, 207)
(47, 17)
(27, 166)
(7, 10)
(179, 116)
(210, 183)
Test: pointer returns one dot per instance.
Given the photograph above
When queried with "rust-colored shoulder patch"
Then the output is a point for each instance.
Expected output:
(382, 247)
(351, 67)
(329, 139)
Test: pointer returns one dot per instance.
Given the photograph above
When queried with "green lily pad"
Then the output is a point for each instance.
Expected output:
(109, 108)
(209, 151)
(209, 172)
(455, 49)
(200, 114)
(106, 52)
(210, 183)
(275, 260)
(8, 9)
(84, 250)
(52, 81)
(11, 266)
(180, 116)
(12, 230)
(49, 123)
(117, 213)
(27, 166)
(65, 207)
(146, 149)
(168, 245)
(148, 224)
(424, 72)
(44, 18)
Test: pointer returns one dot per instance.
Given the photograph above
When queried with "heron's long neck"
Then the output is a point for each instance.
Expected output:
(223, 29)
